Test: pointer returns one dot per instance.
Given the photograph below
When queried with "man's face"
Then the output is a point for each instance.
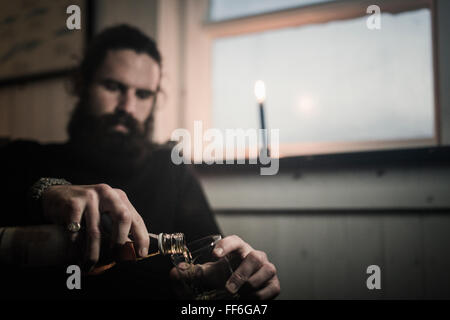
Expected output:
(127, 82)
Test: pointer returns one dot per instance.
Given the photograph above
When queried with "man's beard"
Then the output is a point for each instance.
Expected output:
(99, 143)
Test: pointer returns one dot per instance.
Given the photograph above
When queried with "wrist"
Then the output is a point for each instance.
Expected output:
(36, 194)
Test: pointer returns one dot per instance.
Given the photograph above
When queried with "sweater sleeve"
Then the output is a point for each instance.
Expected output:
(193, 213)
(17, 177)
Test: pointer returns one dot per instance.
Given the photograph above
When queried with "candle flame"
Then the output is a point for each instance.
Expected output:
(260, 91)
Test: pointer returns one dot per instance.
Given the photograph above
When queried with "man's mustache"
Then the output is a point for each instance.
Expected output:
(88, 126)
(109, 121)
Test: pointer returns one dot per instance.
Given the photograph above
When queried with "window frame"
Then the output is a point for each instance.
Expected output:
(199, 33)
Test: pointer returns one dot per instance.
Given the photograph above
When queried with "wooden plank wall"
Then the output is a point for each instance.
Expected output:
(36, 111)
(321, 255)
(325, 256)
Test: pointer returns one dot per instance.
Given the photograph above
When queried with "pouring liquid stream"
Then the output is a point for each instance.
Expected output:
(172, 248)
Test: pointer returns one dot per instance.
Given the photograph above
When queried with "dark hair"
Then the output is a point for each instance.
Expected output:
(113, 38)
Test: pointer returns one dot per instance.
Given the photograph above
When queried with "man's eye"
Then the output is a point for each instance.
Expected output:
(143, 94)
(111, 86)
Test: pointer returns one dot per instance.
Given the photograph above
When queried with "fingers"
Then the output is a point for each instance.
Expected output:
(109, 201)
(93, 235)
(254, 275)
(140, 235)
(74, 212)
(252, 263)
(259, 278)
(67, 204)
(263, 284)
(125, 218)
(232, 244)
(258, 286)
(138, 228)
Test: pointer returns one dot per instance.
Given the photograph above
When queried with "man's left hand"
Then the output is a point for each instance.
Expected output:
(255, 277)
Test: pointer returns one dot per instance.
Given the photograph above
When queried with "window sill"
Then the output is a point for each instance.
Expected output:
(425, 156)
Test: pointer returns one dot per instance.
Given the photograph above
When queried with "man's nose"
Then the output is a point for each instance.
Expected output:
(128, 101)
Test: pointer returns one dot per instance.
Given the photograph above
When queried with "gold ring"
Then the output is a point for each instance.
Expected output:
(73, 227)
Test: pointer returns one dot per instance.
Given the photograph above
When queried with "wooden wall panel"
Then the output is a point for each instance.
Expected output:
(325, 256)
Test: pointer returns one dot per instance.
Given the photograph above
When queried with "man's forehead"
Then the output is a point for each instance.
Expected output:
(133, 69)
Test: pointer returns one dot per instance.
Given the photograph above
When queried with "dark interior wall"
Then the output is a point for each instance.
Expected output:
(318, 254)
(323, 226)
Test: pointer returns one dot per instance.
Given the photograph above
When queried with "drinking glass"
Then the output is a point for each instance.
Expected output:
(204, 275)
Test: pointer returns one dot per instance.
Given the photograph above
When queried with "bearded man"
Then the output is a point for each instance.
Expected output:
(110, 168)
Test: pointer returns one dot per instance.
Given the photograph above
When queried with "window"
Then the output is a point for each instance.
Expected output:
(332, 85)
(230, 9)
(333, 82)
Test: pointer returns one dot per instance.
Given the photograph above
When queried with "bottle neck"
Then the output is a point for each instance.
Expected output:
(171, 243)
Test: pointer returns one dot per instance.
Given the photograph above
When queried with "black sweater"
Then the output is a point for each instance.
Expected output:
(168, 197)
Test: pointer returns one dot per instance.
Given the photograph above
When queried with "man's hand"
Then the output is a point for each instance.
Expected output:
(255, 277)
(69, 203)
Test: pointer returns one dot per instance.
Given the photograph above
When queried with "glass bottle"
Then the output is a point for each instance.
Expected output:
(169, 243)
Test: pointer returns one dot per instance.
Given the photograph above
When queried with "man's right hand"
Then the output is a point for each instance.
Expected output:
(64, 204)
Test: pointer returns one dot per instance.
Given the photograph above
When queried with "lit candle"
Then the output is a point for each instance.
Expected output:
(260, 93)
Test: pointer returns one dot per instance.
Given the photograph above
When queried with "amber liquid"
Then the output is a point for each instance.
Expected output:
(174, 245)
(185, 252)
(169, 244)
